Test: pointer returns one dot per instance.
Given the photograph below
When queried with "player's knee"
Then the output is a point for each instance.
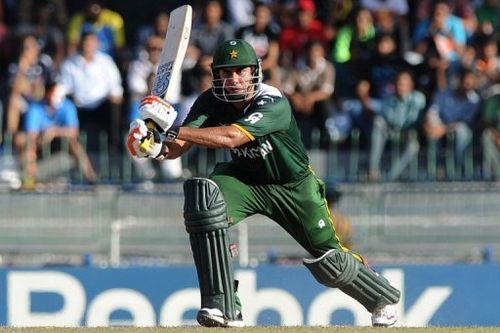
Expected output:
(336, 268)
(204, 206)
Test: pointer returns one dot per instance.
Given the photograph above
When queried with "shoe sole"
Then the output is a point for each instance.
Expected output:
(384, 325)
(208, 320)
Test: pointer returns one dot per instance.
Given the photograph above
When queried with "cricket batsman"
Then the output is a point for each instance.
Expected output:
(269, 174)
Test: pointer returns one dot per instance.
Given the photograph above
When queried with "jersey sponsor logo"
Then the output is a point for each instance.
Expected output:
(254, 117)
(254, 152)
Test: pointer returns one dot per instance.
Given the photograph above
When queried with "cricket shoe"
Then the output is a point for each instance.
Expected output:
(384, 315)
(215, 318)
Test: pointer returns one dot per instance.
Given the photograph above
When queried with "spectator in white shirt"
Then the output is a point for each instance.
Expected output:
(93, 80)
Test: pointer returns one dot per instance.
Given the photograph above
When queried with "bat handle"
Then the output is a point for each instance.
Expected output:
(150, 124)
(146, 142)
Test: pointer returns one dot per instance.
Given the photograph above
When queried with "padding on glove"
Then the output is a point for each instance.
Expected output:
(158, 111)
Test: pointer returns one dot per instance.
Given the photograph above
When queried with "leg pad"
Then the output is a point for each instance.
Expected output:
(339, 269)
(205, 221)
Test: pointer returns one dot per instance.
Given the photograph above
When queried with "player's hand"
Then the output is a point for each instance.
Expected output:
(158, 111)
(143, 142)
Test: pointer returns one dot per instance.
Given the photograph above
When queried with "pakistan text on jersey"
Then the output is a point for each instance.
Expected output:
(255, 152)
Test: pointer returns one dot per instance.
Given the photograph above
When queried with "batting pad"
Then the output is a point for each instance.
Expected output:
(205, 221)
(339, 269)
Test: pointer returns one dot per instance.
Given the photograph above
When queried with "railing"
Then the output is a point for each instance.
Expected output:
(337, 163)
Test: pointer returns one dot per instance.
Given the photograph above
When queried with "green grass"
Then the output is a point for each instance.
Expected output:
(263, 329)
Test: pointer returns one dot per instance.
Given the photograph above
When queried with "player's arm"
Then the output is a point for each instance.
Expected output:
(209, 137)
(215, 137)
(142, 143)
(182, 138)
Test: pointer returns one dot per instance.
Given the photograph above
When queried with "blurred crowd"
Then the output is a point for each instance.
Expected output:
(424, 72)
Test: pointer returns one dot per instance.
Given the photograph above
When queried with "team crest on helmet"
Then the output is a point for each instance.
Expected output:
(233, 54)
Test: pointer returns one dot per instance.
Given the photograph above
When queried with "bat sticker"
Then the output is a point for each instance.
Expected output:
(162, 79)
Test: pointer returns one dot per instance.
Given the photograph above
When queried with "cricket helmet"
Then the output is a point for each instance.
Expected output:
(235, 53)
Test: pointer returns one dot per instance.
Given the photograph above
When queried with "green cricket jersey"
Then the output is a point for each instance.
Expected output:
(275, 154)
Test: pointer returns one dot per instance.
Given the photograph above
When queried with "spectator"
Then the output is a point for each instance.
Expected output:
(106, 24)
(361, 109)
(385, 64)
(158, 29)
(490, 139)
(309, 88)
(488, 17)
(391, 17)
(263, 36)
(453, 111)
(92, 79)
(443, 33)
(141, 70)
(337, 12)
(6, 54)
(487, 66)
(52, 117)
(204, 83)
(306, 28)
(240, 12)
(49, 36)
(353, 51)
(387, 23)
(28, 77)
(206, 34)
(401, 115)
(464, 9)
(140, 79)
(26, 9)
(6, 57)
(339, 123)
(398, 7)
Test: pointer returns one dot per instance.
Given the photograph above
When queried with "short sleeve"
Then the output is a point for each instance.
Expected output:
(267, 115)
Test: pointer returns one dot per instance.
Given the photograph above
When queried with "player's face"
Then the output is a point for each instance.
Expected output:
(236, 80)
(236, 84)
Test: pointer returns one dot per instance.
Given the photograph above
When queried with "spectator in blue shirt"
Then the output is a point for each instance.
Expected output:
(445, 31)
(454, 111)
(53, 117)
(401, 114)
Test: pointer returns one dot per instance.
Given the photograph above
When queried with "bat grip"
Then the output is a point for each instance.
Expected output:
(150, 124)
(146, 142)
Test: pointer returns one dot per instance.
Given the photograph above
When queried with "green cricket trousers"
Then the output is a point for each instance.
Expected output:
(299, 207)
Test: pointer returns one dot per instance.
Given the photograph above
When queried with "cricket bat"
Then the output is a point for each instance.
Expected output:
(171, 57)
(173, 53)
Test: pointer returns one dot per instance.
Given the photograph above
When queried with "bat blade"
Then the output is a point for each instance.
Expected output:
(173, 52)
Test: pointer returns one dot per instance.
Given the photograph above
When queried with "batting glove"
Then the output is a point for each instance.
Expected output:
(155, 109)
(143, 142)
